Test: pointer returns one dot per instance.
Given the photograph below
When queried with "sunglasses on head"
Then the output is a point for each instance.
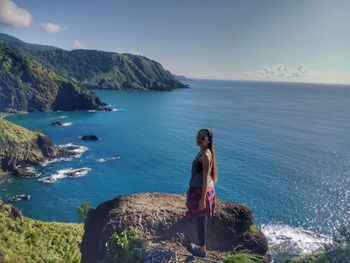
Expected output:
(201, 137)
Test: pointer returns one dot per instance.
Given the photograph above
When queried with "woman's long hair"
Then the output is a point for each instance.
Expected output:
(214, 172)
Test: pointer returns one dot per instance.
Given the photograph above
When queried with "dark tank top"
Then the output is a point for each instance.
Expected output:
(197, 172)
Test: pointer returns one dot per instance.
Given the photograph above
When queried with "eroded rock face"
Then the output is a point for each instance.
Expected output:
(31, 152)
(20, 148)
(162, 217)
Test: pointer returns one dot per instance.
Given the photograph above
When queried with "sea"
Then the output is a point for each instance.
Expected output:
(282, 149)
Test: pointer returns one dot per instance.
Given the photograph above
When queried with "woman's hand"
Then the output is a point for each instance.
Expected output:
(201, 205)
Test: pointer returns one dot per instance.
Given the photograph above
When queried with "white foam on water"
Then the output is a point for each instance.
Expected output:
(65, 173)
(77, 150)
(103, 160)
(287, 240)
(30, 169)
(67, 124)
(47, 162)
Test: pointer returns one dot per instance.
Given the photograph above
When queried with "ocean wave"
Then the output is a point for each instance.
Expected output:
(55, 160)
(74, 150)
(67, 124)
(114, 109)
(65, 173)
(32, 169)
(103, 160)
(286, 241)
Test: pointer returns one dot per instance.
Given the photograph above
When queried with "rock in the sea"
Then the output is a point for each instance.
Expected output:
(20, 197)
(27, 172)
(161, 217)
(56, 123)
(89, 138)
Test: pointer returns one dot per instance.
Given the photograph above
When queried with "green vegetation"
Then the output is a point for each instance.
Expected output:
(126, 247)
(99, 69)
(317, 257)
(28, 85)
(335, 255)
(82, 211)
(244, 257)
(253, 229)
(337, 252)
(12, 133)
(27, 240)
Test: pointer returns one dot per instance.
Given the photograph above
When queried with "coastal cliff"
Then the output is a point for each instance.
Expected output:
(161, 219)
(26, 85)
(20, 147)
(95, 69)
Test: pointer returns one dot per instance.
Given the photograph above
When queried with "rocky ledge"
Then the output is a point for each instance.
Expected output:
(161, 219)
(20, 147)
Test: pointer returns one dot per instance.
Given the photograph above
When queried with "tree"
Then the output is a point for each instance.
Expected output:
(82, 211)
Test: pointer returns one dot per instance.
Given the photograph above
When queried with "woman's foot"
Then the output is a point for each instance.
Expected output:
(198, 251)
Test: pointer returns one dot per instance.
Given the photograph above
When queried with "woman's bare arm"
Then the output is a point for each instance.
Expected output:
(205, 158)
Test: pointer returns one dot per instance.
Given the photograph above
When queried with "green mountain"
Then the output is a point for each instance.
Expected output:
(27, 85)
(99, 69)
(17, 43)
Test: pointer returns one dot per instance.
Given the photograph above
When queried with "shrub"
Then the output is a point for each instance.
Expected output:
(336, 252)
(244, 256)
(82, 211)
(126, 247)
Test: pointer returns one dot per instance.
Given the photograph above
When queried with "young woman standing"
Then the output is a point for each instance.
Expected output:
(201, 197)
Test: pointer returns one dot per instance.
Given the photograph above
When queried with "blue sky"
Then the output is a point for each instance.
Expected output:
(306, 41)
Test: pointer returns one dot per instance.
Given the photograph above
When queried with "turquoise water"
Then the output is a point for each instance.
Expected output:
(282, 149)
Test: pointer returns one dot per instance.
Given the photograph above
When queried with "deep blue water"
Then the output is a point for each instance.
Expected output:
(282, 149)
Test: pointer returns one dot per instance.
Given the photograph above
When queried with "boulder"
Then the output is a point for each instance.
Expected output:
(161, 217)
(89, 138)
(56, 123)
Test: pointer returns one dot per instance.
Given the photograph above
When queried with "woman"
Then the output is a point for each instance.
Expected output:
(201, 198)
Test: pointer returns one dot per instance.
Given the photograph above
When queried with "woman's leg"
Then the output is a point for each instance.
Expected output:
(201, 228)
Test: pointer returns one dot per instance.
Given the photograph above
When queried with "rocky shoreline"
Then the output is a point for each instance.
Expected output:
(20, 149)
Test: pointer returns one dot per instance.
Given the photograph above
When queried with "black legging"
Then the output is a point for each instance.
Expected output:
(201, 228)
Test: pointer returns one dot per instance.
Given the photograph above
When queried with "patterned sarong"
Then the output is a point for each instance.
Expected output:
(193, 197)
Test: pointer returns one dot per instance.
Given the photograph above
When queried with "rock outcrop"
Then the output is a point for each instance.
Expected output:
(20, 147)
(90, 137)
(161, 217)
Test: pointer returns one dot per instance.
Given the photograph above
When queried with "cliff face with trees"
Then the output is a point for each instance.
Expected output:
(26, 85)
(98, 69)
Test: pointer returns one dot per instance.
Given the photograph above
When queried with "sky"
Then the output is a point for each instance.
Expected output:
(289, 40)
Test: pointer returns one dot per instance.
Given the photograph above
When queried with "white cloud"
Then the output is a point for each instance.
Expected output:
(78, 45)
(135, 52)
(14, 16)
(52, 27)
(281, 72)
